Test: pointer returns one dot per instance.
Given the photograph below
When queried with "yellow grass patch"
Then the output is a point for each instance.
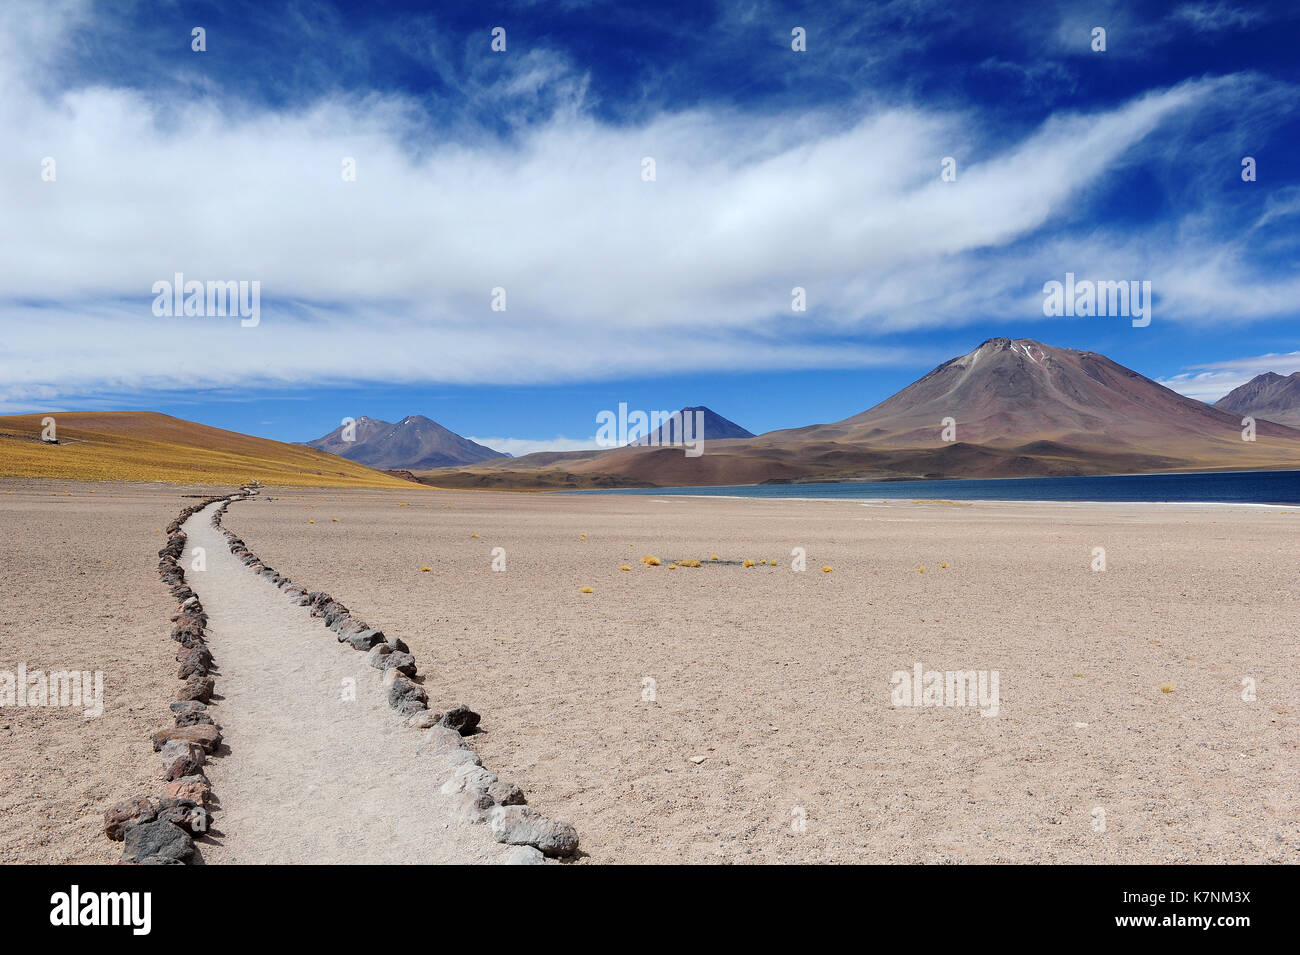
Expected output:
(748, 563)
(689, 562)
(827, 568)
(625, 567)
(1167, 688)
(650, 560)
(144, 446)
(585, 590)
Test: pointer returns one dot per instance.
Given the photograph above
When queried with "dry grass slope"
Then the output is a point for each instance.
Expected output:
(144, 446)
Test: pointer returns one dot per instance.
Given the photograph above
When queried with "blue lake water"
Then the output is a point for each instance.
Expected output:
(1224, 487)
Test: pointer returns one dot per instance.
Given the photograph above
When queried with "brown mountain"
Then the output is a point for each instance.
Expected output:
(1020, 408)
(414, 442)
(1269, 396)
(144, 446)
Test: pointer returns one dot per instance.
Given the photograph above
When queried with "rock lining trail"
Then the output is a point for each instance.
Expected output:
(305, 776)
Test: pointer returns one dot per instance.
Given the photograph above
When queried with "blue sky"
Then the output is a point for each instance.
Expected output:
(522, 170)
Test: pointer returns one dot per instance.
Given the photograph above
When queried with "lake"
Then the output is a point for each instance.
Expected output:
(1222, 487)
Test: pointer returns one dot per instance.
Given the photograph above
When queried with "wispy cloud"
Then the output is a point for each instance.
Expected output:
(1210, 382)
(522, 446)
(1217, 17)
(390, 277)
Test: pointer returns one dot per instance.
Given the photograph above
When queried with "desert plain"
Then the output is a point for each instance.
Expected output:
(726, 713)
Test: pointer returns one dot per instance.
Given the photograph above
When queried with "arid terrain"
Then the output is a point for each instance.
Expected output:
(779, 680)
(80, 591)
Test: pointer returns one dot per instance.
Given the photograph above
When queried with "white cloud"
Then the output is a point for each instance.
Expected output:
(1215, 17)
(1215, 380)
(522, 446)
(389, 277)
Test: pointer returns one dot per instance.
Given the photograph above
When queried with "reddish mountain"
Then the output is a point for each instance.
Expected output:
(1269, 396)
(414, 442)
(1006, 393)
(1019, 408)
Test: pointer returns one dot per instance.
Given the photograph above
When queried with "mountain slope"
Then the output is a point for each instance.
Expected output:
(144, 446)
(1269, 396)
(414, 442)
(1006, 393)
(1020, 409)
(364, 429)
(699, 423)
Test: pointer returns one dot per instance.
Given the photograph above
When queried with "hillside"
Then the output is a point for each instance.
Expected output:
(145, 446)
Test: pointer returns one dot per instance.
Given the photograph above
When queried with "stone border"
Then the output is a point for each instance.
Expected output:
(479, 796)
(160, 831)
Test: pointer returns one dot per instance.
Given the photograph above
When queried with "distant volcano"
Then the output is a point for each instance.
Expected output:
(1006, 393)
(414, 442)
(1269, 396)
(696, 423)
(1010, 408)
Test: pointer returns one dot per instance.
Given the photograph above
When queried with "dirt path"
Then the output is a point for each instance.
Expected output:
(305, 776)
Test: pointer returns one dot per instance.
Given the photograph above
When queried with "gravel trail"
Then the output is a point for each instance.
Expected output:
(304, 774)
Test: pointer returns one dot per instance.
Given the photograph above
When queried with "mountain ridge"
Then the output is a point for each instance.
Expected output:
(414, 443)
(1008, 408)
(1270, 396)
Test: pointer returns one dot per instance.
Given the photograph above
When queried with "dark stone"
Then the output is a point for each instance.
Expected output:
(401, 662)
(364, 640)
(181, 758)
(403, 692)
(185, 813)
(195, 663)
(204, 734)
(159, 842)
(460, 718)
(128, 812)
(197, 688)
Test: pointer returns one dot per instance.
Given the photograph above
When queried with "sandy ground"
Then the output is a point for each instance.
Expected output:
(79, 589)
(781, 680)
(308, 772)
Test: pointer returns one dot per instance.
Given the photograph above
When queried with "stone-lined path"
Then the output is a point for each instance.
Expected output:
(304, 775)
